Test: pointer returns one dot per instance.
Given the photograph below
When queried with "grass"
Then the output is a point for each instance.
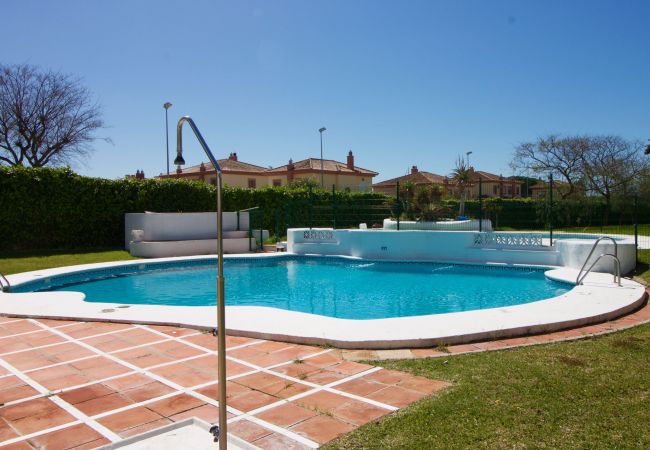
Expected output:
(591, 393)
(16, 262)
(584, 394)
(643, 229)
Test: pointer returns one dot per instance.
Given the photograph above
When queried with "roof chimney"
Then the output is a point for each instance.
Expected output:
(350, 160)
(233, 156)
(290, 168)
(202, 167)
(414, 169)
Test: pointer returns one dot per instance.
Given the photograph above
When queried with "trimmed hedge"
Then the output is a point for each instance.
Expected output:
(56, 208)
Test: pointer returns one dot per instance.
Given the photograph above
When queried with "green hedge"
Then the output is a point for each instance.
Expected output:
(56, 208)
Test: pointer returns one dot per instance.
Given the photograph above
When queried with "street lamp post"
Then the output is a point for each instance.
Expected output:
(468, 153)
(322, 179)
(167, 105)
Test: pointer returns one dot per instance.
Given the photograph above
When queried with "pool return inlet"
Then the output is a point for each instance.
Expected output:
(220, 432)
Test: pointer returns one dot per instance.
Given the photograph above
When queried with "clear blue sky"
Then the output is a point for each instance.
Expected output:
(399, 83)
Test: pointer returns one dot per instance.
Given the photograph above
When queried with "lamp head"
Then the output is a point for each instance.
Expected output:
(179, 161)
(167, 105)
(322, 129)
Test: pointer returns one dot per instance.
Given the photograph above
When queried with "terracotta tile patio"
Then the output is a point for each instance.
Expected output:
(66, 384)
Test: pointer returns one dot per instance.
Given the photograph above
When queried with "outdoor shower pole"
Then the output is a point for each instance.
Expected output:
(221, 299)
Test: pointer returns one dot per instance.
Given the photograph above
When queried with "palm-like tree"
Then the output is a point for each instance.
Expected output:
(462, 177)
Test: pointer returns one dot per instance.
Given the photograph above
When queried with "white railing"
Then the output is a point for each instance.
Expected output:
(507, 240)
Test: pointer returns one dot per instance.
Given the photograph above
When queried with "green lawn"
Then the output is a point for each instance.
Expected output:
(16, 262)
(591, 393)
(643, 229)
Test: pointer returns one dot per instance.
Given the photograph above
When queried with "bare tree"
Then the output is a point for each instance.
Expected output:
(561, 156)
(613, 165)
(46, 118)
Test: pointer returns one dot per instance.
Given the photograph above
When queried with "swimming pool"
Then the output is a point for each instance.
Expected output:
(334, 287)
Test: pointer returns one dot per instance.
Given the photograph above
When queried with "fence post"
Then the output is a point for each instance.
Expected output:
(550, 208)
(334, 206)
(310, 205)
(237, 220)
(261, 216)
(636, 230)
(480, 204)
(277, 224)
(250, 231)
(285, 209)
(399, 205)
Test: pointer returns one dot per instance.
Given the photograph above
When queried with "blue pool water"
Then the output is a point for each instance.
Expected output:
(327, 286)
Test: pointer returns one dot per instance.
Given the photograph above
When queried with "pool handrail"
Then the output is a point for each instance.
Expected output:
(4, 283)
(221, 433)
(617, 262)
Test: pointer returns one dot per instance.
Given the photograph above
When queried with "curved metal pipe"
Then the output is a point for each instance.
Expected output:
(593, 248)
(221, 299)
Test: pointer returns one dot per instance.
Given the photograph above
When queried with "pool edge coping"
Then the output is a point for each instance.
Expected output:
(333, 331)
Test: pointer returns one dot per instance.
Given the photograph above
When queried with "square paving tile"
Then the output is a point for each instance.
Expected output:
(17, 392)
(26, 409)
(129, 419)
(42, 420)
(277, 441)
(321, 428)
(322, 401)
(86, 393)
(70, 437)
(144, 428)
(147, 391)
(175, 405)
(286, 415)
(358, 413)
(103, 404)
(251, 400)
(396, 396)
(247, 430)
(128, 381)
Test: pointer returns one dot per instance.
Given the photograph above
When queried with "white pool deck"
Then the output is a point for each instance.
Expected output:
(597, 300)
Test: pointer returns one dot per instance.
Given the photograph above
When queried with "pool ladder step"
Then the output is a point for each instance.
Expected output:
(617, 263)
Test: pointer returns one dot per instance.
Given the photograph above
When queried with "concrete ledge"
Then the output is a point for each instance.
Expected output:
(596, 301)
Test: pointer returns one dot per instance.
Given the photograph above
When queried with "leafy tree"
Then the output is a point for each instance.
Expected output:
(46, 118)
(462, 175)
(305, 183)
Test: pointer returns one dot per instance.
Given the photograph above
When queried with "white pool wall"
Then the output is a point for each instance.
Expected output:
(453, 246)
(180, 226)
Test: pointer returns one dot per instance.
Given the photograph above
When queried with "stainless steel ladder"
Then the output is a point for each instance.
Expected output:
(4, 283)
(617, 262)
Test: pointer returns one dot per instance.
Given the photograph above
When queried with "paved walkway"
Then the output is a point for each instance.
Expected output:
(67, 384)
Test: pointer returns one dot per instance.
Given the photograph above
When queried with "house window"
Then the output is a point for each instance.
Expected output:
(277, 183)
(494, 189)
(252, 183)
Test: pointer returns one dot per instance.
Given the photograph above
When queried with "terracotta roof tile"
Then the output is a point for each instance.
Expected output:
(420, 177)
(329, 165)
